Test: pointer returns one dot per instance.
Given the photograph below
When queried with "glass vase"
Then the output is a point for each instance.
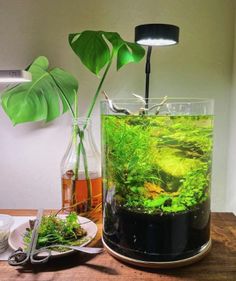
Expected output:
(156, 166)
(81, 172)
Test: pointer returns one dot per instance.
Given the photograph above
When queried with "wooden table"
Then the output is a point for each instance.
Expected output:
(219, 265)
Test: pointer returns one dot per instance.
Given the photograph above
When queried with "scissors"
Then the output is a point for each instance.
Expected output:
(20, 257)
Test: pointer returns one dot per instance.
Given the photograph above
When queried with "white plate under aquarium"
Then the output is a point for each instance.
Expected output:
(16, 236)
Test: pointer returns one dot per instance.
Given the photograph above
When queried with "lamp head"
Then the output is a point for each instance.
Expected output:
(157, 34)
(14, 76)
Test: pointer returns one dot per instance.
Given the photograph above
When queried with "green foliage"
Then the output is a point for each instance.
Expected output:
(54, 230)
(93, 49)
(47, 96)
(195, 185)
(128, 164)
(171, 161)
(192, 139)
(158, 163)
(52, 92)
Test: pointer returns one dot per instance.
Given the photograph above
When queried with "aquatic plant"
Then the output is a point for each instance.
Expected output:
(158, 163)
(54, 230)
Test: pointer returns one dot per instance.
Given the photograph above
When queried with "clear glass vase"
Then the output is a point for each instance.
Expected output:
(156, 180)
(81, 172)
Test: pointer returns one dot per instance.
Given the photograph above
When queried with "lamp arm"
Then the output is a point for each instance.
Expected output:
(147, 71)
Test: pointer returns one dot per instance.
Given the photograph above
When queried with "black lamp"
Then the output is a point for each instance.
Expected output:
(155, 34)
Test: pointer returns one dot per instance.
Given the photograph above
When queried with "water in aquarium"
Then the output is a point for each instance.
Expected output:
(156, 185)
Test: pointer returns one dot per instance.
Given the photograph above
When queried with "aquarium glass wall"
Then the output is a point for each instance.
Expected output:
(157, 178)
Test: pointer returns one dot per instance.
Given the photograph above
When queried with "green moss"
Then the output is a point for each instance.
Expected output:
(158, 163)
(172, 162)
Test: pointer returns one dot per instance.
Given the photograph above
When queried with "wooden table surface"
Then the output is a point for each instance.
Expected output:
(219, 265)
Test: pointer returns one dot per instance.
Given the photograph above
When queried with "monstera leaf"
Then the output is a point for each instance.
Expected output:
(47, 96)
(96, 49)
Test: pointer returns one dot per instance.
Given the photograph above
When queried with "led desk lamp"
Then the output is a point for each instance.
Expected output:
(14, 76)
(155, 34)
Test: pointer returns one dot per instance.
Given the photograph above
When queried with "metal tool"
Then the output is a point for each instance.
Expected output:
(35, 256)
(88, 250)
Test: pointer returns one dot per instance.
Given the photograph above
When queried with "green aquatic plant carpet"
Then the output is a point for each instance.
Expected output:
(157, 163)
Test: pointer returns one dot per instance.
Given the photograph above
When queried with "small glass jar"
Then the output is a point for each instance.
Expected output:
(156, 164)
(81, 171)
(6, 222)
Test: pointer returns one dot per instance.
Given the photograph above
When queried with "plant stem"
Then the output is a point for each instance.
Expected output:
(76, 106)
(80, 147)
(75, 120)
(89, 185)
(75, 137)
(74, 114)
(98, 91)
(76, 131)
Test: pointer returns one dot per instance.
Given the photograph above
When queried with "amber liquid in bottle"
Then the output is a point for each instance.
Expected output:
(79, 202)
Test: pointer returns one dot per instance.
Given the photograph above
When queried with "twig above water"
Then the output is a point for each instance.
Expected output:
(114, 108)
(142, 111)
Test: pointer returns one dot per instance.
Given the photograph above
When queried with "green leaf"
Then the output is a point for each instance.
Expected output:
(47, 96)
(129, 52)
(67, 86)
(94, 50)
(91, 48)
(115, 39)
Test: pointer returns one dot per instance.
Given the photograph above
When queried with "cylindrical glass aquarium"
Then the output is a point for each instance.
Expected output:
(156, 163)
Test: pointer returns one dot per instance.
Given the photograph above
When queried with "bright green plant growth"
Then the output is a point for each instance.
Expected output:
(54, 230)
(158, 163)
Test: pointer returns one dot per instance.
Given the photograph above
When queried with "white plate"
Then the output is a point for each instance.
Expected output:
(17, 234)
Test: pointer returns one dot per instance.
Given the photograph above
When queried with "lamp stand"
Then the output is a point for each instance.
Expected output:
(147, 71)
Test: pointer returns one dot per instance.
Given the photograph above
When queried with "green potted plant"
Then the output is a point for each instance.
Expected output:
(53, 92)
